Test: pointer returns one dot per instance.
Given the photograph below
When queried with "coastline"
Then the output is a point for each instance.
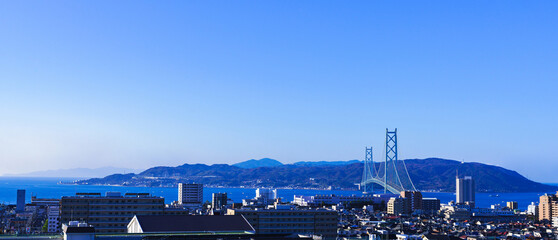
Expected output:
(50, 188)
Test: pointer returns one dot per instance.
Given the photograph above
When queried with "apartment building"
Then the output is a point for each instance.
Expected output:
(548, 206)
(190, 194)
(110, 213)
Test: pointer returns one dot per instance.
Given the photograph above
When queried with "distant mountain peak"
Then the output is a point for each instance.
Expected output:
(253, 163)
(326, 163)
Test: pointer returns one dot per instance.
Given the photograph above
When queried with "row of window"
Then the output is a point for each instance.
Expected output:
(113, 201)
(123, 214)
(109, 219)
(290, 214)
(119, 207)
(116, 225)
(116, 209)
(297, 219)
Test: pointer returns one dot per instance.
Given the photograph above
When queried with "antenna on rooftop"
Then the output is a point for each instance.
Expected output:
(457, 170)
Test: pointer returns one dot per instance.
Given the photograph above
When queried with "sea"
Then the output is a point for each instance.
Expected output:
(54, 188)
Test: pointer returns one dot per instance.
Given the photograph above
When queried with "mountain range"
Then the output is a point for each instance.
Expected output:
(432, 174)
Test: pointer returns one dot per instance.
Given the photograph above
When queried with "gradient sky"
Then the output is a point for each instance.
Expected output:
(143, 83)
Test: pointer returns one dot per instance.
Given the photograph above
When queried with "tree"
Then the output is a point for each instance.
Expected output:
(45, 226)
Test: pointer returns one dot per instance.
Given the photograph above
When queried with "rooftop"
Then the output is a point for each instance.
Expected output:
(193, 223)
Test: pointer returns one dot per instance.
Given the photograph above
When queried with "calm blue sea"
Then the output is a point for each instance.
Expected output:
(49, 188)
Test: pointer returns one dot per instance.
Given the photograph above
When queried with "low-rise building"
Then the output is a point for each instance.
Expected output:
(319, 222)
(491, 212)
(45, 201)
(75, 230)
(216, 224)
(53, 217)
(457, 212)
(332, 199)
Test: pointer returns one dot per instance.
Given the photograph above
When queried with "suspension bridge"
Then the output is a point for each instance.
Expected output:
(391, 174)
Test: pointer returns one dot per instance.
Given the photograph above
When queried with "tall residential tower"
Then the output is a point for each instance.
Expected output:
(465, 190)
(548, 206)
(20, 205)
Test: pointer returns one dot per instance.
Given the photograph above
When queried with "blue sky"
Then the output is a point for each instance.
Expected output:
(143, 83)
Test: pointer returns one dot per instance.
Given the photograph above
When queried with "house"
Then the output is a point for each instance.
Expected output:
(75, 230)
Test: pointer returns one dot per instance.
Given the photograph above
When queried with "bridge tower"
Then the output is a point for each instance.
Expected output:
(368, 173)
(391, 174)
(391, 158)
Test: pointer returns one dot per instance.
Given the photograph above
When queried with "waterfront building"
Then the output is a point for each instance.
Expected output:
(219, 200)
(493, 211)
(190, 194)
(110, 213)
(319, 222)
(250, 203)
(511, 205)
(332, 199)
(266, 195)
(533, 209)
(548, 206)
(20, 204)
(53, 216)
(465, 190)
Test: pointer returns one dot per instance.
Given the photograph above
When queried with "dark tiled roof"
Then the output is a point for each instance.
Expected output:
(193, 223)
(80, 230)
(437, 237)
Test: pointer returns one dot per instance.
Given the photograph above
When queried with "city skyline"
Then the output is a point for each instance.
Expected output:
(142, 84)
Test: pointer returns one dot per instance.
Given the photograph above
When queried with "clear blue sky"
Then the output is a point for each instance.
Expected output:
(144, 83)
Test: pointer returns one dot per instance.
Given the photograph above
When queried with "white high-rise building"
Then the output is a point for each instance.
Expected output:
(190, 194)
(53, 216)
(532, 209)
(266, 193)
(465, 190)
